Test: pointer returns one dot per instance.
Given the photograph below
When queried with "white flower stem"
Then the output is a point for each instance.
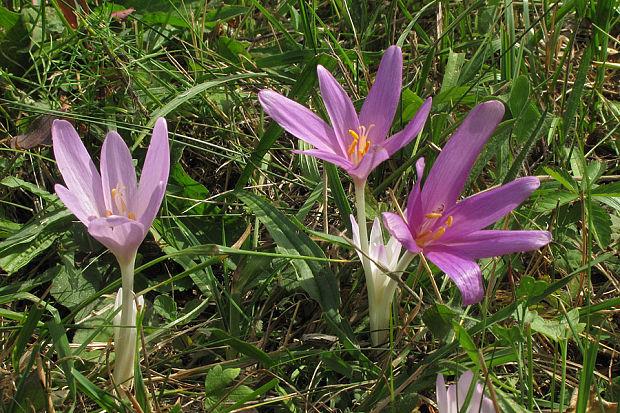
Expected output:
(360, 202)
(126, 343)
(376, 312)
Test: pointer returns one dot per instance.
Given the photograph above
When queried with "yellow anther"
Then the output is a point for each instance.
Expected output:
(108, 213)
(433, 215)
(439, 233)
(354, 143)
(131, 216)
(114, 193)
(449, 221)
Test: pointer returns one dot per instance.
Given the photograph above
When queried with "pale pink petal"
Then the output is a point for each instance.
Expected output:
(119, 173)
(382, 100)
(339, 107)
(154, 172)
(449, 173)
(300, 121)
(483, 209)
(443, 404)
(491, 243)
(462, 269)
(399, 230)
(152, 205)
(77, 168)
(462, 388)
(122, 236)
(356, 235)
(73, 203)
(413, 129)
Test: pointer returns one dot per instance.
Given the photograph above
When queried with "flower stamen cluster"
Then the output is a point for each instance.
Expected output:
(360, 145)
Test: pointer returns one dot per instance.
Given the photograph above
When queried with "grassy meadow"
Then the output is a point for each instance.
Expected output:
(254, 298)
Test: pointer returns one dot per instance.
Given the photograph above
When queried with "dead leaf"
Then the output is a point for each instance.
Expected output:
(595, 405)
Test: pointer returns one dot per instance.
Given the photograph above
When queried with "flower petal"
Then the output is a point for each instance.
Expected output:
(117, 170)
(300, 121)
(399, 230)
(77, 168)
(442, 394)
(152, 205)
(415, 215)
(462, 388)
(492, 243)
(339, 107)
(382, 100)
(330, 157)
(462, 269)
(413, 129)
(483, 209)
(154, 172)
(356, 235)
(74, 204)
(369, 162)
(120, 235)
(447, 177)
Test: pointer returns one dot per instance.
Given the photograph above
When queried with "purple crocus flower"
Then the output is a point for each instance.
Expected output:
(449, 233)
(358, 144)
(452, 400)
(116, 210)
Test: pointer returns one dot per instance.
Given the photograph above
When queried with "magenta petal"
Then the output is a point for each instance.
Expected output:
(462, 269)
(368, 163)
(414, 208)
(399, 230)
(118, 172)
(120, 235)
(413, 129)
(74, 204)
(300, 121)
(382, 100)
(447, 177)
(491, 243)
(339, 107)
(77, 168)
(329, 157)
(154, 172)
(483, 209)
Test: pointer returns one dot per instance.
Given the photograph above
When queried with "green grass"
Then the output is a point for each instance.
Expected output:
(253, 325)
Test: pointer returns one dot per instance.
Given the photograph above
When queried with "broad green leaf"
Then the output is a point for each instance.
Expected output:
(33, 238)
(601, 224)
(165, 307)
(219, 394)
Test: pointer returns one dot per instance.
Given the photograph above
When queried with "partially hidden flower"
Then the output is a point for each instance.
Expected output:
(452, 400)
(449, 233)
(358, 144)
(380, 287)
(117, 211)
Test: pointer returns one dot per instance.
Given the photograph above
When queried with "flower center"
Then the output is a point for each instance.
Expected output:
(431, 235)
(360, 145)
(118, 197)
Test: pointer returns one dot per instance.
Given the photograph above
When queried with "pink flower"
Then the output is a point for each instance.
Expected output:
(357, 144)
(452, 400)
(116, 210)
(450, 233)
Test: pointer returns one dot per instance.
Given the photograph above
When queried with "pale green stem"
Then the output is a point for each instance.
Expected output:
(126, 345)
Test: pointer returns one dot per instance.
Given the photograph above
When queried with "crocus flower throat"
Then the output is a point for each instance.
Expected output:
(119, 203)
(435, 225)
(360, 145)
